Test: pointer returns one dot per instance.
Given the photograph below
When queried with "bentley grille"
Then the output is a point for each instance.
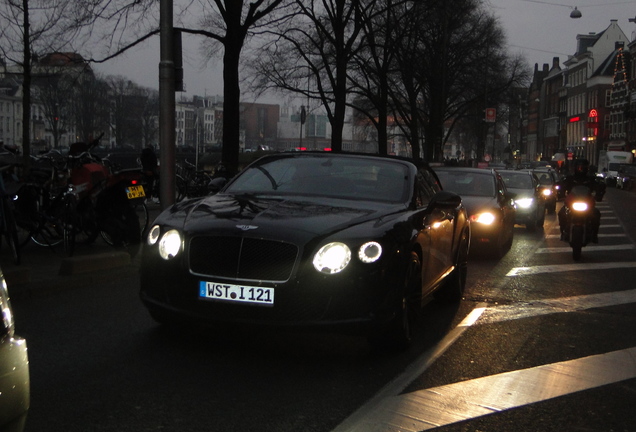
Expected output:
(242, 258)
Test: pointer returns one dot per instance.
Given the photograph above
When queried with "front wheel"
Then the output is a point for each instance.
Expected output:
(453, 289)
(398, 334)
(577, 237)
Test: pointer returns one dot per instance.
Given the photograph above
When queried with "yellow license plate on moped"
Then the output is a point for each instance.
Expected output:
(135, 192)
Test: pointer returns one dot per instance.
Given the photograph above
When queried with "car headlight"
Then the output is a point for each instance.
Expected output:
(153, 235)
(170, 244)
(547, 192)
(524, 202)
(486, 218)
(332, 258)
(370, 252)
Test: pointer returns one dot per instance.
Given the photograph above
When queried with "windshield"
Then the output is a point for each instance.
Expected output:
(517, 180)
(337, 177)
(467, 183)
(545, 179)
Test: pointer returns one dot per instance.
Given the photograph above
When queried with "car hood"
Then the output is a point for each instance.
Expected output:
(475, 204)
(286, 218)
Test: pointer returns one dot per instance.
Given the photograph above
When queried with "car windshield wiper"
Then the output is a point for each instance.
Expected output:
(269, 176)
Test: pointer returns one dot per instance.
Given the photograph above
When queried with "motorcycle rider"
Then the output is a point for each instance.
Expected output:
(582, 176)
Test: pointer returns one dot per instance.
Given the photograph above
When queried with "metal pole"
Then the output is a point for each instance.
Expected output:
(167, 106)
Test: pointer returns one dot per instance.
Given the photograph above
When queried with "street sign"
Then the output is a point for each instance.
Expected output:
(491, 115)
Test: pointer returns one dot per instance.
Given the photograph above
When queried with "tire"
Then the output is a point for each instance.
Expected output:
(576, 241)
(531, 226)
(398, 334)
(453, 289)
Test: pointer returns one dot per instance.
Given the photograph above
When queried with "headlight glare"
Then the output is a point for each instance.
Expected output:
(579, 206)
(170, 244)
(485, 218)
(547, 192)
(524, 202)
(370, 252)
(153, 235)
(332, 258)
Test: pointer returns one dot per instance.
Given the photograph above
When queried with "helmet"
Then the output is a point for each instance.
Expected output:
(581, 166)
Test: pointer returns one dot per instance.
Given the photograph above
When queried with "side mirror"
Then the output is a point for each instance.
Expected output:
(445, 199)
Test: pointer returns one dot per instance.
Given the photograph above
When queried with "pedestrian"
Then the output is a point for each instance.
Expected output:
(150, 168)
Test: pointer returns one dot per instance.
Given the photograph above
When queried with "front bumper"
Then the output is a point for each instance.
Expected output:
(356, 298)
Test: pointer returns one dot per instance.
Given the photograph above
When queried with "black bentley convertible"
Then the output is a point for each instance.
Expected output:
(310, 239)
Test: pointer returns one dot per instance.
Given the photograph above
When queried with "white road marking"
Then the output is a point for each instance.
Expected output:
(556, 305)
(389, 411)
(524, 271)
(588, 248)
(551, 236)
(439, 406)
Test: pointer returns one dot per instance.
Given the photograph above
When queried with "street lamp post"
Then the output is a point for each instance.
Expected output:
(167, 105)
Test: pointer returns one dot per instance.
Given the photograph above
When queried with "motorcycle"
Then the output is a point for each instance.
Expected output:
(101, 201)
(579, 213)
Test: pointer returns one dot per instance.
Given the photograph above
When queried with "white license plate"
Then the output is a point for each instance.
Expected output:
(236, 293)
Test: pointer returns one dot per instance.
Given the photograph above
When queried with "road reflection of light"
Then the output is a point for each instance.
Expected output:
(443, 405)
(439, 406)
(563, 304)
(524, 271)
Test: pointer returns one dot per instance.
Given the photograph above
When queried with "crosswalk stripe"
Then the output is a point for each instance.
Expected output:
(551, 236)
(527, 309)
(587, 248)
(452, 403)
(525, 271)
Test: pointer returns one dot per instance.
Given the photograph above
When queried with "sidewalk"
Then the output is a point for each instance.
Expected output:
(50, 269)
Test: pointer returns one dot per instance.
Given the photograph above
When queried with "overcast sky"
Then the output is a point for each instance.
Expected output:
(536, 29)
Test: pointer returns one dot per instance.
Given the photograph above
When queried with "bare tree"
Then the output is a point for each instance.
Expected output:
(28, 26)
(150, 117)
(229, 24)
(452, 60)
(317, 44)
(374, 63)
(90, 107)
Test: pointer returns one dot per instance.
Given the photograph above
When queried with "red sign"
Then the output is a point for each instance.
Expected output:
(491, 115)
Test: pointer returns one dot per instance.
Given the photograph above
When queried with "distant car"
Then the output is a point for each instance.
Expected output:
(15, 382)
(626, 176)
(310, 239)
(490, 207)
(549, 187)
(529, 202)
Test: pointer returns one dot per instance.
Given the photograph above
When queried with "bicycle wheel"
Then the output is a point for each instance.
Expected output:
(10, 230)
(38, 218)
